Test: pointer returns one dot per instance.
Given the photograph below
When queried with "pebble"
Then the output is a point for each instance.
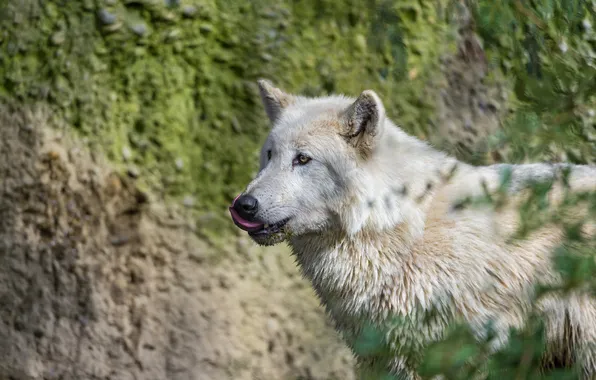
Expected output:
(188, 201)
(189, 11)
(197, 255)
(113, 27)
(270, 14)
(205, 28)
(133, 172)
(139, 29)
(106, 17)
(58, 38)
(179, 164)
(174, 34)
(126, 153)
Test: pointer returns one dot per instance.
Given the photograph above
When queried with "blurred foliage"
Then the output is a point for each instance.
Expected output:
(460, 354)
(547, 49)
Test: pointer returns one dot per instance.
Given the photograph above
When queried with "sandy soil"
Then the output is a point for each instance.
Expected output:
(100, 281)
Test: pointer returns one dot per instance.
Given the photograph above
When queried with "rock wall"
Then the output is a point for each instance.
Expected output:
(99, 281)
(167, 88)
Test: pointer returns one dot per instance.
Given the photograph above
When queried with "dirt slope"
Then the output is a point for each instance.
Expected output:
(100, 281)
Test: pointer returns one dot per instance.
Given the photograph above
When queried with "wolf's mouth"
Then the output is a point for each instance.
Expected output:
(269, 229)
(257, 228)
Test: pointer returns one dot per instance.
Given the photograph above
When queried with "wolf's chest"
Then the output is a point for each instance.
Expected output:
(356, 293)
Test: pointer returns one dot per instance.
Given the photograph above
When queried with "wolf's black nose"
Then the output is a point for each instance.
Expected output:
(247, 206)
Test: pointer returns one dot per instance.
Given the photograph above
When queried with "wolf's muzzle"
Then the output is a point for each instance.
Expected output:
(243, 211)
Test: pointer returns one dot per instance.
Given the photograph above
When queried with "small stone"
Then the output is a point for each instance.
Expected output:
(133, 172)
(197, 255)
(58, 38)
(126, 153)
(139, 29)
(270, 14)
(113, 27)
(206, 28)
(53, 155)
(188, 201)
(179, 164)
(173, 34)
(189, 11)
(272, 326)
(106, 17)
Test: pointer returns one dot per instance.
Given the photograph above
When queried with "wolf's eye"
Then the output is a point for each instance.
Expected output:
(301, 159)
(269, 155)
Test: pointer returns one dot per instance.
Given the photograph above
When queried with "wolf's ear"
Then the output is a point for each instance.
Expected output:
(363, 121)
(274, 99)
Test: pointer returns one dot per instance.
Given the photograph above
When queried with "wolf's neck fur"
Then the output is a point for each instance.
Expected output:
(396, 184)
(365, 268)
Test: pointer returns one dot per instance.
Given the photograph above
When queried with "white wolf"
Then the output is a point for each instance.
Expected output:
(372, 217)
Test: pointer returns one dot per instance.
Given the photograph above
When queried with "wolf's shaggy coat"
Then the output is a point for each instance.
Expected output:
(375, 219)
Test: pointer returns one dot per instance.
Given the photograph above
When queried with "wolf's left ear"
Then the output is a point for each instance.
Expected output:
(363, 121)
(274, 99)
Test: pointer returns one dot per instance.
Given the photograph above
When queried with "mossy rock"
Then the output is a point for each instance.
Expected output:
(167, 88)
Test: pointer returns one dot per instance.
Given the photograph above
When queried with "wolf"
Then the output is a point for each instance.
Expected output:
(376, 222)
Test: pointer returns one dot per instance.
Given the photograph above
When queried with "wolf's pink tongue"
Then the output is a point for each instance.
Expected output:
(241, 222)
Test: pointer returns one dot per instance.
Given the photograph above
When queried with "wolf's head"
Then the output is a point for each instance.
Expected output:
(311, 165)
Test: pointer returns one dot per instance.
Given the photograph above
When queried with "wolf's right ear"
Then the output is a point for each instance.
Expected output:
(274, 99)
(363, 121)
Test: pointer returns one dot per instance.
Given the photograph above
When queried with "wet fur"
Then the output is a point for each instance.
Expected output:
(377, 229)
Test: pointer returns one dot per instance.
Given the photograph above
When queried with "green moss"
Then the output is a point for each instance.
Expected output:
(174, 85)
